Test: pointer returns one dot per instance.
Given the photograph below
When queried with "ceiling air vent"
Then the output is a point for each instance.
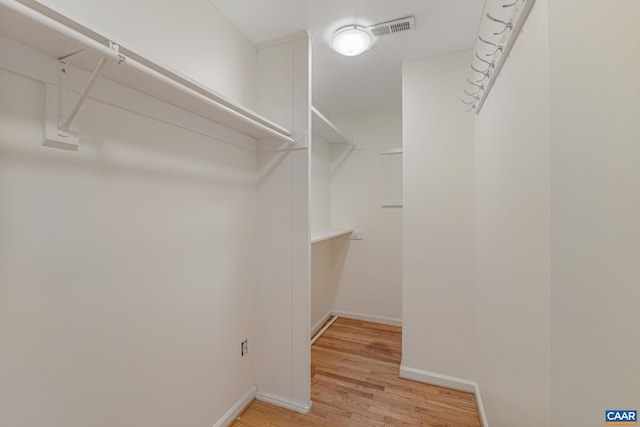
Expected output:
(393, 27)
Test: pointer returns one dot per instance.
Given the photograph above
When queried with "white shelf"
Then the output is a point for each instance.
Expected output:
(58, 36)
(329, 233)
(327, 130)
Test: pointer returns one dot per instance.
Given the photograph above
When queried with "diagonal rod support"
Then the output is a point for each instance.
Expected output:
(64, 126)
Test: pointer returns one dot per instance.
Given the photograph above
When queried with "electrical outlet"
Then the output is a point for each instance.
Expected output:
(244, 347)
(357, 235)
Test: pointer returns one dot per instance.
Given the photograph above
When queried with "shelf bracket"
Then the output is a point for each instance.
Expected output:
(59, 129)
(350, 145)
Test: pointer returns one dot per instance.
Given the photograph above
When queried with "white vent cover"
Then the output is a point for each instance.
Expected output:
(393, 27)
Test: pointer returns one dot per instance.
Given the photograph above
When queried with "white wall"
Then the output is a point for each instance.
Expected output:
(126, 285)
(512, 241)
(438, 230)
(364, 277)
(595, 205)
(189, 36)
(323, 287)
(283, 275)
(367, 273)
(320, 186)
(322, 284)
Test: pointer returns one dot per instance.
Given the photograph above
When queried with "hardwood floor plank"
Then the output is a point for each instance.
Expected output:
(355, 383)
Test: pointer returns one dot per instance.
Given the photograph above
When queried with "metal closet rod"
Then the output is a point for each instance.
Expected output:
(111, 54)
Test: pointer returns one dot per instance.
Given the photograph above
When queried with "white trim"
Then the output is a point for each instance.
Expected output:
(31, 63)
(283, 403)
(319, 323)
(449, 382)
(437, 379)
(368, 317)
(232, 414)
(323, 330)
(481, 413)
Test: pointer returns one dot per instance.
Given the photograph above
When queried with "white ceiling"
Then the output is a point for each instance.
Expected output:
(373, 79)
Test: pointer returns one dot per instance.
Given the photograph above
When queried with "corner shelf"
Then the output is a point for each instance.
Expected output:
(329, 233)
(58, 36)
(327, 130)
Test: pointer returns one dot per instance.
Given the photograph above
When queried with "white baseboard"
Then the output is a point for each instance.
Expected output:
(449, 382)
(283, 403)
(483, 415)
(323, 330)
(368, 317)
(232, 414)
(318, 325)
(437, 379)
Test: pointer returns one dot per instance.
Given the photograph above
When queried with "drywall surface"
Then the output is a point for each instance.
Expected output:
(513, 242)
(190, 36)
(322, 284)
(320, 186)
(127, 274)
(438, 230)
(367, 273)
(283, 353)
(595, 206)
(283, 260)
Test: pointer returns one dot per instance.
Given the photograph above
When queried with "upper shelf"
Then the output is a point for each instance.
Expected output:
(323, 127)
(58, 36)
(329, 233)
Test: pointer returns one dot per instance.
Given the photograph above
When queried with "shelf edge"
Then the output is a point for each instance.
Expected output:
(330, 233)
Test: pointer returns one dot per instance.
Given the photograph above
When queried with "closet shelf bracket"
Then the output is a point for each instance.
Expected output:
(59, 130)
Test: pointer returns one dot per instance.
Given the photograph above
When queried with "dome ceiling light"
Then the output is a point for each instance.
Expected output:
(351, 40)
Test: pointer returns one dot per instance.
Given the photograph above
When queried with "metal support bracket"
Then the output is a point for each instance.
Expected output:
(60, 131)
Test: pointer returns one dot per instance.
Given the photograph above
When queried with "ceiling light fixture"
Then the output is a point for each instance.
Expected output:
(351, 40)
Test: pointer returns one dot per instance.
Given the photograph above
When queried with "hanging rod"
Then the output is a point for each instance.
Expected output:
(106, 52)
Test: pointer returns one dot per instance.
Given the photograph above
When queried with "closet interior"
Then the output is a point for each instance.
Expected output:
(184, 209)
(326, 140)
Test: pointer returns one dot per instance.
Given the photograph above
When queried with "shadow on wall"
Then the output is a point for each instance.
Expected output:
(340, 160)
(339, 250)
(130, 144)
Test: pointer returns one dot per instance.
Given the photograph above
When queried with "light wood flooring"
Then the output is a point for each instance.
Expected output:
(354, 382)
